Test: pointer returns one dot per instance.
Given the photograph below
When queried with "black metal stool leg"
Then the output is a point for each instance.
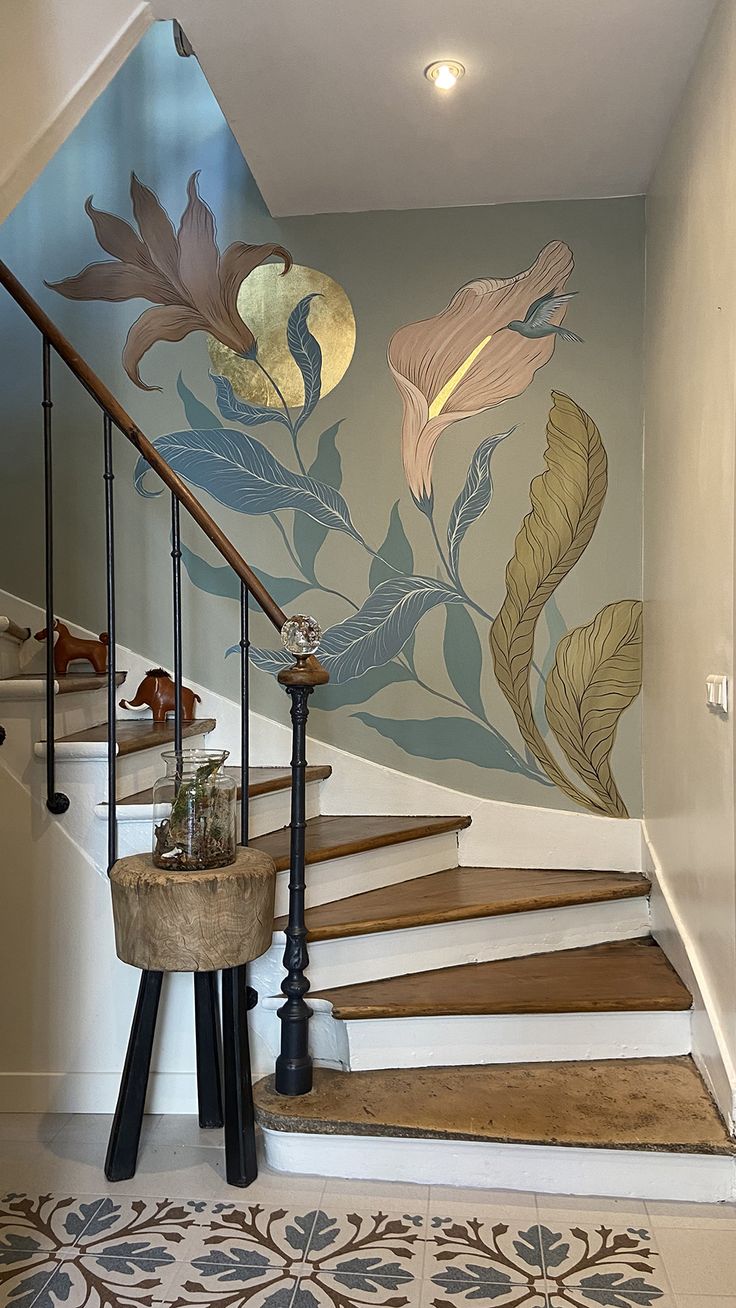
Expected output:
(209, 1049)
(125, 1134)
(241, 1166)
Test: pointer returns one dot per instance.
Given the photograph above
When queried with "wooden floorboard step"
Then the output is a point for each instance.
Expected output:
(623, 976)
(262, 781)
(466, 892)
(336, 837)
(656, 1104)
(140, 734)
(66, 684)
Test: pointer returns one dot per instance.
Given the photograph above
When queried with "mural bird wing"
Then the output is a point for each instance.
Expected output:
(541, 312)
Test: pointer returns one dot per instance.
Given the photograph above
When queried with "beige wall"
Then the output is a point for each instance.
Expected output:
(54, 60)
(689, 519)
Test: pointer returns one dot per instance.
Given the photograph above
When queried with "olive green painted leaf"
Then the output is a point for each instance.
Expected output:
(310, 535)
(566, 503)
(395, 551)
(597, 674)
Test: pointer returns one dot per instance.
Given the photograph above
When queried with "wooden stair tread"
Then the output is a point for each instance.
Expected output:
(143, 733)
(335, 837)
(621, 976)
(70, 682)
(262, 781)
(649, 1103)
(465, 892)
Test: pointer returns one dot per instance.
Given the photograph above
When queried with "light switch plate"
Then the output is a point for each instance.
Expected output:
(716, 693)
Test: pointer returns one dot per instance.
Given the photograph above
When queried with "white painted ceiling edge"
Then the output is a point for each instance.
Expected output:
(563, 99)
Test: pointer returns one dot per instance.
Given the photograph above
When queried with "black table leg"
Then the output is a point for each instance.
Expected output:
(241, 1166)
(209, 1049)
(125, 1134)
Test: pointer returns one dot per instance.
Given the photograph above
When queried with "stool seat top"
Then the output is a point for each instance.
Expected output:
(200, 921)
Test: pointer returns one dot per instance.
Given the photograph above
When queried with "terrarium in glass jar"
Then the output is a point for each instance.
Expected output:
(194, 811)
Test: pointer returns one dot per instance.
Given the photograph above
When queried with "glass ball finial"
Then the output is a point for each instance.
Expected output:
(301, 635)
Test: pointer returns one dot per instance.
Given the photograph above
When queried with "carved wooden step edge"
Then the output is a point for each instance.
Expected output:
(329, 837)
(132, 738)
(263, 781)
(461, 893)
(32, 685)
(622, 976)
(649, 1104)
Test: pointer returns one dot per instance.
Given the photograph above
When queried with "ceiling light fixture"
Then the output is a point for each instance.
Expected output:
(444, 73)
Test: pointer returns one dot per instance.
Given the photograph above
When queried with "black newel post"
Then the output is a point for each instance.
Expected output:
(301, 637)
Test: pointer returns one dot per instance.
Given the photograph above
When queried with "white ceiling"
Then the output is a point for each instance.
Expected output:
(562, 98)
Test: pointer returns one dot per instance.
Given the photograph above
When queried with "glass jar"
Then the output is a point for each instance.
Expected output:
(194, 807)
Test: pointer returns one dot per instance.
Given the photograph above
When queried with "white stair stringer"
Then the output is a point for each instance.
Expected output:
(370, 957)
(546, 1169)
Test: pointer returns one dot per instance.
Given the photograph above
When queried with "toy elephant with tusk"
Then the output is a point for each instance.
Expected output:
(158, 693)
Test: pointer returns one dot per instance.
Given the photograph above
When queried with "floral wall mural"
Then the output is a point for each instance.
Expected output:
(422, 427)
(483, 349)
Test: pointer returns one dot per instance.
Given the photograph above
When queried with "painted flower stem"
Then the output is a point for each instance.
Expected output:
(287, 413)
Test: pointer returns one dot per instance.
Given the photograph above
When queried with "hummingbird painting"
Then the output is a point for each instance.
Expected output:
(537, 322)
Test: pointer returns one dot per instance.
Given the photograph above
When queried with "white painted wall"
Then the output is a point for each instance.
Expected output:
(55, 58)
(689, 530)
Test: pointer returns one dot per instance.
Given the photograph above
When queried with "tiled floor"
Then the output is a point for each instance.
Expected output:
(178, 1235)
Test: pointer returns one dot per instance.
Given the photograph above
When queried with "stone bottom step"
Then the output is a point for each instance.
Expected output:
(638, 1127)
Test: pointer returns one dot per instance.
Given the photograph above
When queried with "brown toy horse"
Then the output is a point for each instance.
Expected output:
(69, 647)
(157, 691)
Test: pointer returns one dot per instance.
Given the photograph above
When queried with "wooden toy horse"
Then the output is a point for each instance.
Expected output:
(68, 648)
(157, 691)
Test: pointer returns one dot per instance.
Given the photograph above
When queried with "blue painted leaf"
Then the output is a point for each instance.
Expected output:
(370, 1274)
(297, 1236)
(235, 409)
(133, 1255)
(610, 1290)
(35, 1291)
(474, 1281)
(16, 1248)
(96, 1216)
(361, 689)
(556, 629)
(307, 355)
(382, 626)
(309, 536)
(239, 472)
(463, 656)
(223, 581)
(232, 1264)
(374, 635)
(554, 1249)
(196, 413)
(324, 1232)
(440, 738)
(474, 497)
(529, 1246)
(395, 550)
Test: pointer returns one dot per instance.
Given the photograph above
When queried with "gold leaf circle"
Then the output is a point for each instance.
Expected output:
(265, 300)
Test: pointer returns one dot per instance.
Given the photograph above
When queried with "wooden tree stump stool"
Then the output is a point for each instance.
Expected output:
(202, 922)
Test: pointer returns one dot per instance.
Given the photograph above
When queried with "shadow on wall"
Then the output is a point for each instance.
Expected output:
(280, 338)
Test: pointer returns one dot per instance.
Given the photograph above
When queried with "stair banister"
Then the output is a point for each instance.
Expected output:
(299, 635)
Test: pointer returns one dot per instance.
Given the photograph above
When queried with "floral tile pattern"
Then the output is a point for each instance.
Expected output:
(135, 1253)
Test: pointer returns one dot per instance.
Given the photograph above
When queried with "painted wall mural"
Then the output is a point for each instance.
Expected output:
(280, 336)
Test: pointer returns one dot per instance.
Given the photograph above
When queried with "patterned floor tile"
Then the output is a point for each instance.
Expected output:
(485, 1293)
(471, 1258)
(602, 1264)
(227, 1283)
(364, 1238)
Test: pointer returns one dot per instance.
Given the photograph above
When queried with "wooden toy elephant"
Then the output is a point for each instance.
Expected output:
(157, 691)
(69, 647)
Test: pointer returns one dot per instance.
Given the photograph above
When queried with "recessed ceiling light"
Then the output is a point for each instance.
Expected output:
(444, 73)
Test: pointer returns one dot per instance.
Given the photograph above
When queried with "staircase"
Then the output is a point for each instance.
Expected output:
(500, 1027)
(497, 1027)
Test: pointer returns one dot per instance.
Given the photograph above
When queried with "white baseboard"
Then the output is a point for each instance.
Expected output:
(709, 1045)
(547, 1169)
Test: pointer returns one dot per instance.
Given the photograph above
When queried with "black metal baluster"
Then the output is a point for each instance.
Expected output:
(112, 743)
(294, 1064)
(176, 556)
(244, 714)
(56, 801)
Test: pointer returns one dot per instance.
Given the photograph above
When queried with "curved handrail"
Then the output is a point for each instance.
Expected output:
(123, 421)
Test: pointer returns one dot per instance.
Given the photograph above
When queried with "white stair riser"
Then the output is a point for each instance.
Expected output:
(514, 1038)
(547, 1169)
(267, 813)
(339, 878)
(135, 771)
(351, 959)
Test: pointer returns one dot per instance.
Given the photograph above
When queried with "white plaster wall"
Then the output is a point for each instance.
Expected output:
(55, 58)
(690, 341)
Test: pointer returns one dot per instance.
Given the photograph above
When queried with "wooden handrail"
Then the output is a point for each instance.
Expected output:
(123, 421)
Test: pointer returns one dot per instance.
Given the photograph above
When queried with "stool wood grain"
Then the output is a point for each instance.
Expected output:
(193, 921)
